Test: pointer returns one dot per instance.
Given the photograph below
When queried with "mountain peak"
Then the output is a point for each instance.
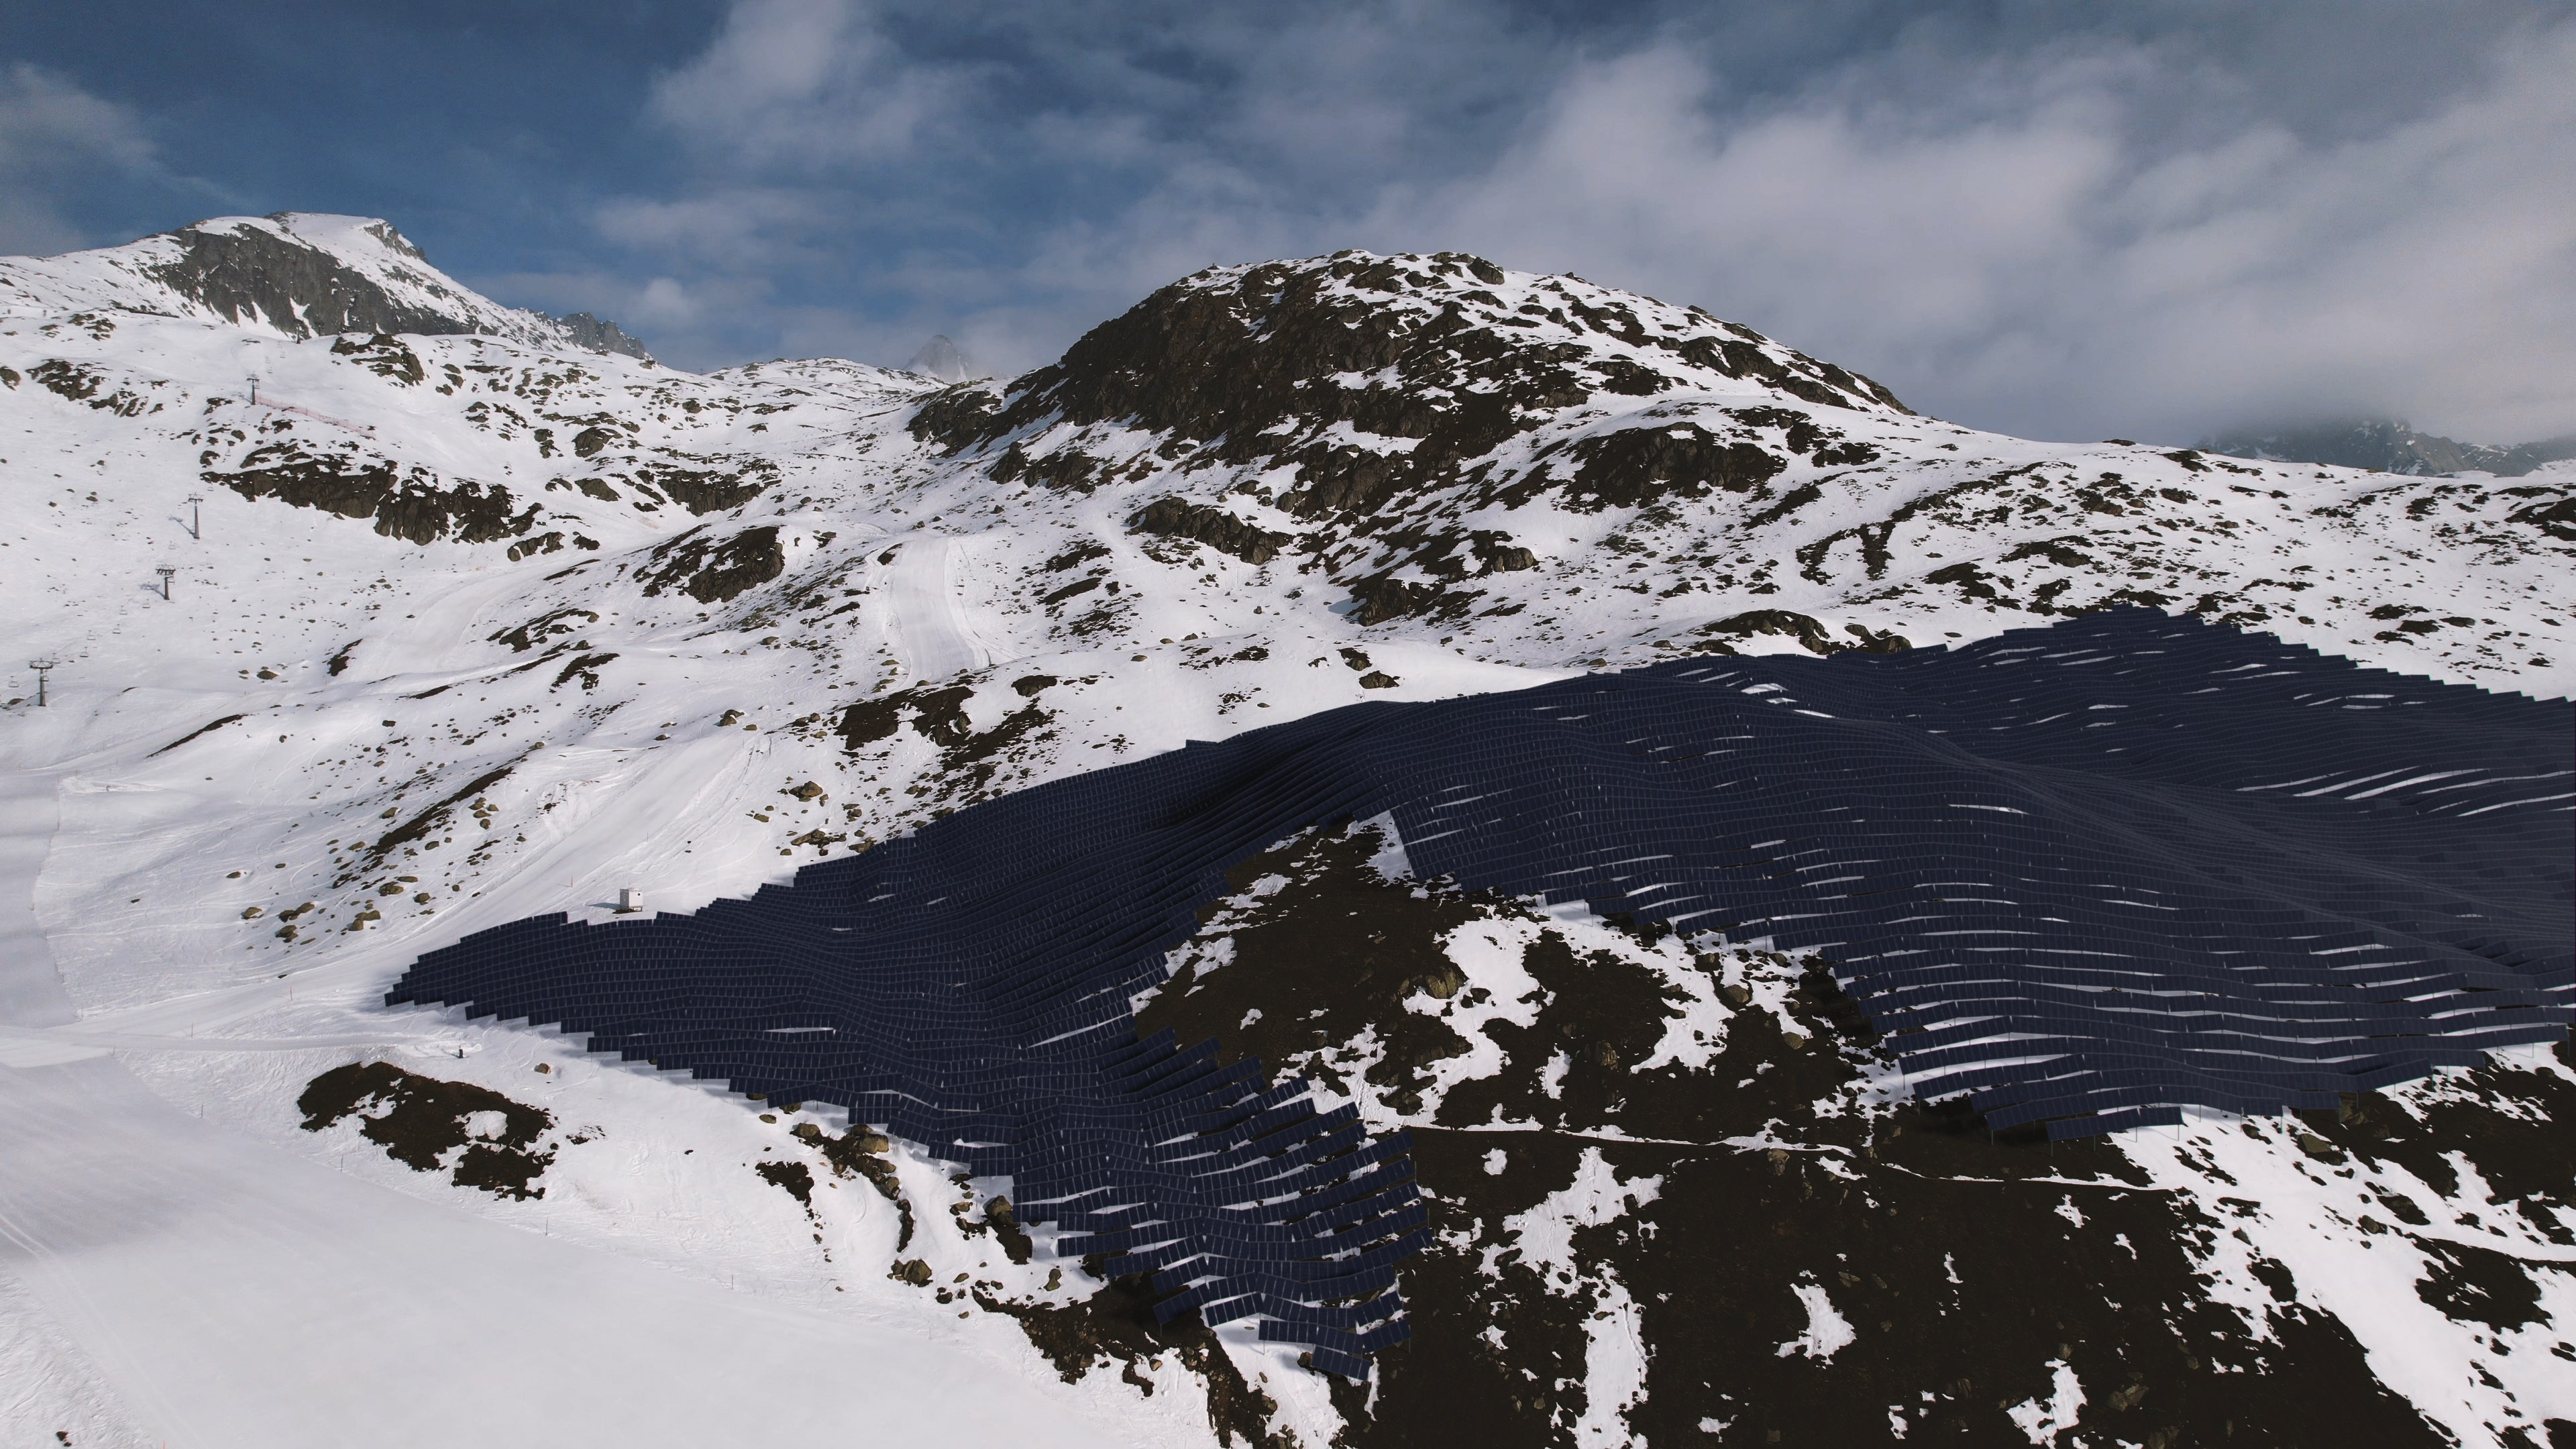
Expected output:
(1194, 353)
(942, 360)
(297, 273)
(2387, 445)
(1376, 378)
(599, 334)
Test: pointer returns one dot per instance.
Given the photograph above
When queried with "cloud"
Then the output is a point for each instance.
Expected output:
(2021, 254)
(1012, 175)
(53, 136)
(688, 322)
(2072, 224)
(801, 83)
(739, 228)
(1815, 209)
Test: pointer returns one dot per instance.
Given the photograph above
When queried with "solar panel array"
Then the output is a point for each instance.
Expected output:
(2092, 875)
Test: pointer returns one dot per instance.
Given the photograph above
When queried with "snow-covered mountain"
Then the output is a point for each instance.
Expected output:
(478, 614)
(297, 274)
(2389, 445)
(942, 360)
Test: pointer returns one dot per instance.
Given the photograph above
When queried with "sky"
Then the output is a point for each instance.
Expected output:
(2060, 220)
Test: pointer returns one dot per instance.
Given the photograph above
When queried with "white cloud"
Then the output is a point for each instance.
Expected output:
(800, 83)
(2070, 232)
(51, 132)
(2019, 259)
(1814, 209)
(736, 228)
(665, 303)
(682, 322)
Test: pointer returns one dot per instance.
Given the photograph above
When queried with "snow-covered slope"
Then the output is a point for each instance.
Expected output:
(478, 623)
(298, 274)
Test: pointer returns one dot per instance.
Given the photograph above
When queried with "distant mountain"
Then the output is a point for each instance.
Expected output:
(302, 274)
(942, 360)
(2388, 445)
(599, 335)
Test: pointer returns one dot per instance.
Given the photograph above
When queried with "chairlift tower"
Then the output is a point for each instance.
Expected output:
(40, 666)
(165, 571)
(196, 517)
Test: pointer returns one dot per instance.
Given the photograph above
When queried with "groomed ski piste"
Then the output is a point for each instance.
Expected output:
(473, 627)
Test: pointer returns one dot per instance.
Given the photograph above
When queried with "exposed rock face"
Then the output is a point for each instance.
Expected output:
(1214, 527)
(1811, 634)
(405, 502)
(708, 489)
(1451, 446)
(1378, 377)
(713, 570)
(1634, 467)
(599, 335)
(2389, 445)
(1350, 409)
(316, 276)
(430, 1125)
(255, 274)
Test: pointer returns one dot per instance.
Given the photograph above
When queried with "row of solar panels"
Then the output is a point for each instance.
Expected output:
(2190, 813)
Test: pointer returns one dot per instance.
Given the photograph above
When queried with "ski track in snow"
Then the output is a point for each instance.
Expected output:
(935, 636)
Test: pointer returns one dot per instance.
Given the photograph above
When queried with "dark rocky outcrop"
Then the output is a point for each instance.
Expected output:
(709, 489)
(2552, 512)
(1218, 529)
(1118, 1324)
(537, 631)
(1637, 466)
(712, 570)
(1300, 362)
(202, 729)
(384, 356)
(439, 814)
(419, 1121)
(599, 335)
(248, 273)
(1809, 631)
(1914, 1219)
(406, 502)
(1382, 598)
(82, 384)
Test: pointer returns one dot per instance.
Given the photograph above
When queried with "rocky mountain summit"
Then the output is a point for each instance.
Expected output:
(941, 360)
(479, 615)
(2389, 445)
(1419, 429)
(297, 273)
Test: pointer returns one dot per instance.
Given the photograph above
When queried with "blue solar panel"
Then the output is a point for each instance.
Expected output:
(2088, 874)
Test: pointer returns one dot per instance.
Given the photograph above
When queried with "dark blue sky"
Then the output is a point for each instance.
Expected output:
(2058, 220)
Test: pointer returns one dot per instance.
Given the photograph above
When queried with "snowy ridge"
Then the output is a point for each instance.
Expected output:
(296, 274)
(483, 625)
